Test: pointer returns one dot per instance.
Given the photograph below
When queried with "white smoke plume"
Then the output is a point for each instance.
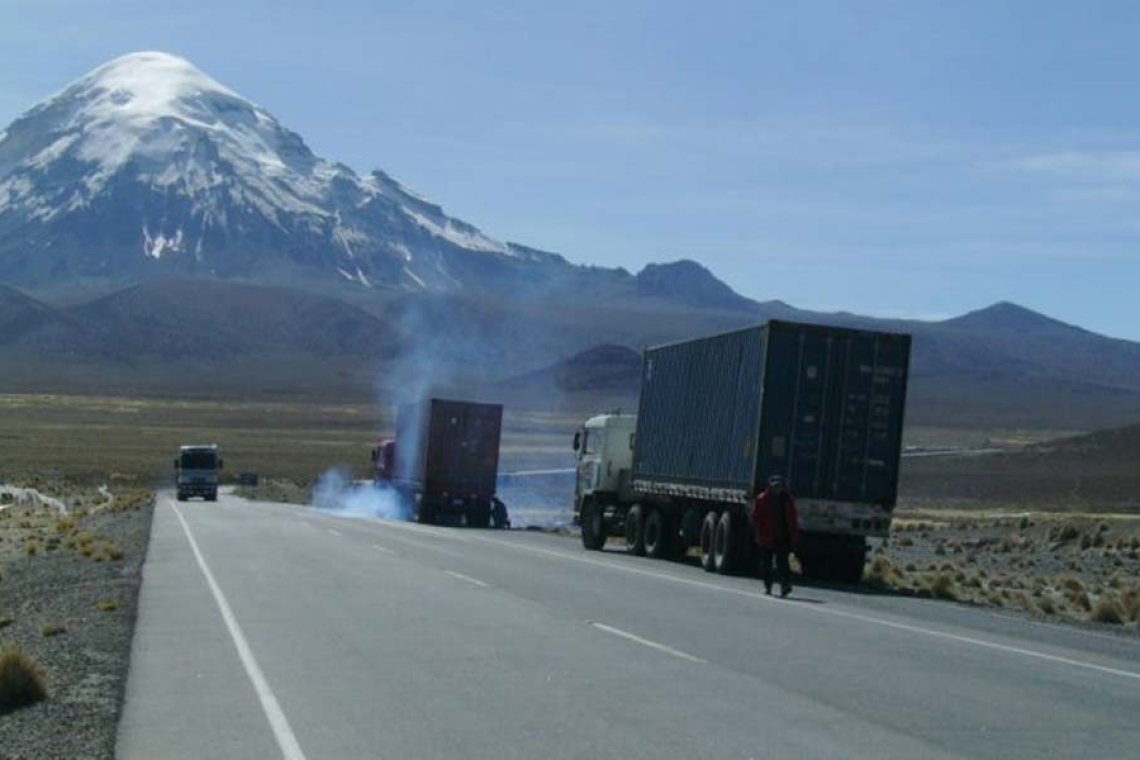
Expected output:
(335, 490)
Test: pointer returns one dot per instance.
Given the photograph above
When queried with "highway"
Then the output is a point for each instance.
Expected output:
(270, 630)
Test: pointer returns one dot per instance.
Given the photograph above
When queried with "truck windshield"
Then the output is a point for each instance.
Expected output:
(198, 460)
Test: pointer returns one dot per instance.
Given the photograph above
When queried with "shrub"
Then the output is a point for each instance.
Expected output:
(1072, 583)
(1130, 601)
(109, 605)
(942, 586)
(65, 525)
(1107, 610)
(53, 629)
(1080, 600)
(1066, 532)
(882, 573)
(21, 681)
(5, 621)
(1047, 605)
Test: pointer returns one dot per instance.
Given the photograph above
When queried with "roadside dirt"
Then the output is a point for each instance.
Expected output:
(1073, 567)
(68, 598)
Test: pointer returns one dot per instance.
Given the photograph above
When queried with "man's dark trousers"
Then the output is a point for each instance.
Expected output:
(780, 555)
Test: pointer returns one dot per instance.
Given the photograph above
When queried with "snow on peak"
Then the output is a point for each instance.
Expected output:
(153, 123)
(150, 85)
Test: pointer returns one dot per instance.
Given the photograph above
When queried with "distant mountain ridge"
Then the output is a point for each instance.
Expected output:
(168, 236)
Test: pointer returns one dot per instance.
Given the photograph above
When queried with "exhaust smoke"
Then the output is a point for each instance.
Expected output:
(336, 491)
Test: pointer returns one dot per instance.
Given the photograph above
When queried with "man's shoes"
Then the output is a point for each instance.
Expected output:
(784, 591)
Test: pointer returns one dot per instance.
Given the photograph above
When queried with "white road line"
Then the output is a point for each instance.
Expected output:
(467, 578)
(286, 740)
(647, 642)
(971, 640)
(333, 532)
(384, 549)
(817, 609)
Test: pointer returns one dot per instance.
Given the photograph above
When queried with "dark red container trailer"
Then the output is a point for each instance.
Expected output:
(445, 460)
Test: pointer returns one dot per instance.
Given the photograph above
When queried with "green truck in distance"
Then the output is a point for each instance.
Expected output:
(197, 470)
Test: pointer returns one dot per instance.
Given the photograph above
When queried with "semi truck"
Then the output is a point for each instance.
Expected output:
(718, 416)
(196, 471)
(444, 461)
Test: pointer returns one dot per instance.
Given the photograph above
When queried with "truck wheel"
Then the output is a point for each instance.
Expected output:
(478, 515)
(499, 516)
(425, 515)
(659, 539)
(726, 544)
(635, 531)
(848, 568)
(213, 496)
(708, 539)
(593, 526)
(181, 496)
(690, 534)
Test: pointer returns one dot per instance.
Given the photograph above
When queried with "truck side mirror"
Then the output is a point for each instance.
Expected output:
(577, 441)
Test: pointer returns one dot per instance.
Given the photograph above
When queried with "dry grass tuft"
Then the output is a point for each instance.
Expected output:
(53, 629)
(942, 586)
(109, 605)
(882, 573)
(1108, 610)
(21, 681)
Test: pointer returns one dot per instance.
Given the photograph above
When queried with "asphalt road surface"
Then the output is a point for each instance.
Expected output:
(278, 631)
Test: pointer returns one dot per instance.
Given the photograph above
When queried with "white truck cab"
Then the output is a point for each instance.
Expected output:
(604, 447)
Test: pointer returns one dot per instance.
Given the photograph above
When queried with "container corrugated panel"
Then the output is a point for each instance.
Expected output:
(822, 406)
(699, 409)
(461, 446)
(833, 411)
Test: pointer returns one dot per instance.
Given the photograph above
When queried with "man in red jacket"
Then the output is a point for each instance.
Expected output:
(777, 530)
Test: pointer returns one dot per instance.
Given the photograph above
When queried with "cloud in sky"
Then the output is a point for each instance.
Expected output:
(1104, 165)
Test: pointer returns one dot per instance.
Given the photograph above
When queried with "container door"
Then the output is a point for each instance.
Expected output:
(833, 412)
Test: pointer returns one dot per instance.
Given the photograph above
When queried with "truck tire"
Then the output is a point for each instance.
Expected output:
(499, 517)
(848, 567)
(593, 526)
(635, 531)
(478, 515)
(425, 514)
(728, 544)
(690, 533)
(708, 539)
(659, 538)
(213, 496)
(181, 496)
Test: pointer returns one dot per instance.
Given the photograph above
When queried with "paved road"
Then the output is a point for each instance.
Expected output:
(276, 631)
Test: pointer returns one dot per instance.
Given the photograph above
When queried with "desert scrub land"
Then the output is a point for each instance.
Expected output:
(69, 584)
(132, 441)
(1066, 567)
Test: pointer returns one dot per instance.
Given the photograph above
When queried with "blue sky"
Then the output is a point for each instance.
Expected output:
(895, 158)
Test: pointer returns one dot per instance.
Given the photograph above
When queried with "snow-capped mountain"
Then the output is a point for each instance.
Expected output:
(149, 166)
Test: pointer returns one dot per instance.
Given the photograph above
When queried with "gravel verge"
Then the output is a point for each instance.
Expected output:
(83, 576)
